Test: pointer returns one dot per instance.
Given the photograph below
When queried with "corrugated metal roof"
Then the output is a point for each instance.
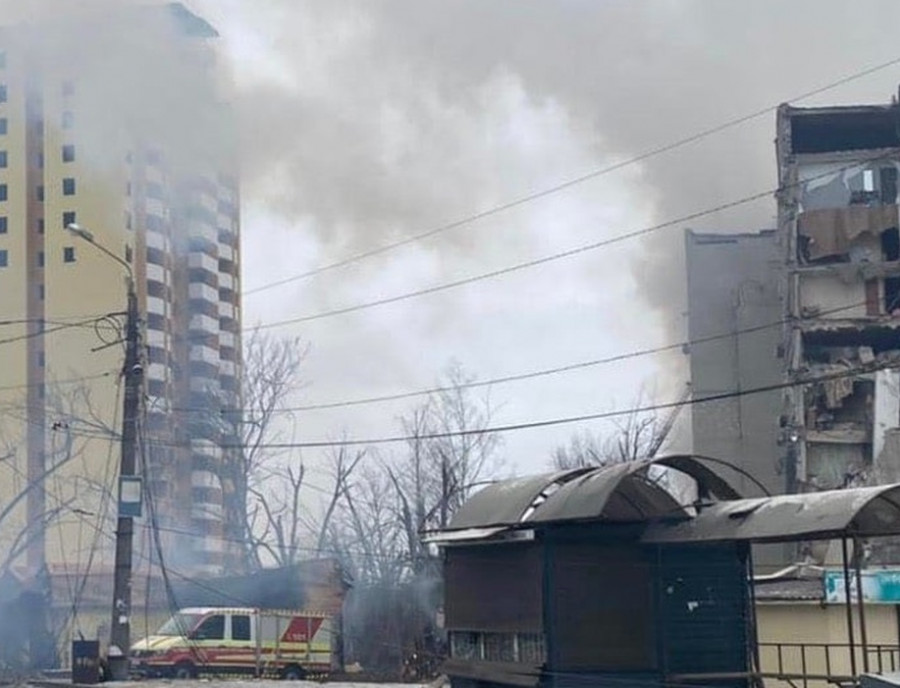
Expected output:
(505, 502)
(618, 492)
(621, 492)
(709, 482)
(865, 512)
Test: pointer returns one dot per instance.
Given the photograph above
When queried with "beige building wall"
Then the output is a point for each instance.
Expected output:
(82, 283)
(59, 395)
(138, 182)
(13, 297)
(812, 624)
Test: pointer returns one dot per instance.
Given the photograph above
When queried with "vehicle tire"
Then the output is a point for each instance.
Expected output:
(184, 670)
(293, 673)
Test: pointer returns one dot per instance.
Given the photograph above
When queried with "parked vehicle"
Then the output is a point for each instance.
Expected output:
(256, 642)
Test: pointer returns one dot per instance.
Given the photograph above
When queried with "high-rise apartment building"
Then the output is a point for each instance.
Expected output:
(119, 122)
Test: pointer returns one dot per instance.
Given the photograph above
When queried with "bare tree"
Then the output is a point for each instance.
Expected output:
(378, 512)
(276, 516)
(343, 464)
(262, 500)
(449, 452)
(71, 421)
(634, 436)
(62, 489)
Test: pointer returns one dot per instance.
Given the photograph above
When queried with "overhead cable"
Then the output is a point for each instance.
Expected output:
(528, 198)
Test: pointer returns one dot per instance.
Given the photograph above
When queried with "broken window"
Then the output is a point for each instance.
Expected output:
(834, 465)
(890, 252)
(867, 195)
(839, 420)
(888, 178)
(845, 209)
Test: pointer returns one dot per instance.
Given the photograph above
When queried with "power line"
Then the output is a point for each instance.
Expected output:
(563, 254)
(65, 381)
(534, 373)
(565, 420)
(42, 332)
(495, 210)
(54, 321)
(574, 419)
(250, 541)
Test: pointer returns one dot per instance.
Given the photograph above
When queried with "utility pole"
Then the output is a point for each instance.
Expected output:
(133, 373)
(129, 485)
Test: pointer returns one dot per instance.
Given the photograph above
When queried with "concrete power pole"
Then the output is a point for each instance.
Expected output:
(133, 372)
(129, 484)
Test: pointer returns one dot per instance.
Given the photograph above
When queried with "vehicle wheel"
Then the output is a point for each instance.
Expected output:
(184, 670)
(293, 673)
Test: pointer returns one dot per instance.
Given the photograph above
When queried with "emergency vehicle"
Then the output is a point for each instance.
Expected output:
(257, 642)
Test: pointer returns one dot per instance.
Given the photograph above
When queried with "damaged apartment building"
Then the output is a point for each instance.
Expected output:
(816, 300)
(838, 231)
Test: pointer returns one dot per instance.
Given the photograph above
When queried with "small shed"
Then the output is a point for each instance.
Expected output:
(602, 577)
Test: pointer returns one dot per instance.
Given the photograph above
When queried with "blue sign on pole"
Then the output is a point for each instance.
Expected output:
(130, 492)
(878, 586)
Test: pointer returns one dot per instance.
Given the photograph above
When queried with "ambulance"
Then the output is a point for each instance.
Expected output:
(255, 642)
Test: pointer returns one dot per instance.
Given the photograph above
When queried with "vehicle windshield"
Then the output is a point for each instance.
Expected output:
(179, 624)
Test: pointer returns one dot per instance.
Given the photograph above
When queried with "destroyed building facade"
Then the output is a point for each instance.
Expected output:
(807, 315)
(838, 233)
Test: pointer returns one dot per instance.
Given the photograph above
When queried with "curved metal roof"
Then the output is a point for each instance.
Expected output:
(619, 492)
(862, 512)
(505, 502)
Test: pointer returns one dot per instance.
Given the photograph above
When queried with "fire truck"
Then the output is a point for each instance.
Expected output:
(255, 642)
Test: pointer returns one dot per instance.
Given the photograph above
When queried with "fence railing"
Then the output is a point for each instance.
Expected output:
(815, 664)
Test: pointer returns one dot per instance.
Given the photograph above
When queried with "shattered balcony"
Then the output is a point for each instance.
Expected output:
(847, 239)
(879, 333)
(848, 417)
(837, 454)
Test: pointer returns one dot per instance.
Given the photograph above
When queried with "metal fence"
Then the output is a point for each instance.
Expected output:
(813, 664)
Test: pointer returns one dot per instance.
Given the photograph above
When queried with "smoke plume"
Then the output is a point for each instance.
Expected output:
(370, 118)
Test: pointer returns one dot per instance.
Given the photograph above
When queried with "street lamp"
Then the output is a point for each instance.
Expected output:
(88, 236)
(132, 371)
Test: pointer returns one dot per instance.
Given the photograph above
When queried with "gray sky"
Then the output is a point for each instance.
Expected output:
(364, 123)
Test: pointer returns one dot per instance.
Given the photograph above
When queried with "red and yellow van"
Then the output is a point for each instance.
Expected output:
(256, 642)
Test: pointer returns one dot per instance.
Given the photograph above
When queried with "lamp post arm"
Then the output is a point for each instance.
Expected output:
(118, 259)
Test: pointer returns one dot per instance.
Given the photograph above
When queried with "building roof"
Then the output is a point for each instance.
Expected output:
(861, 512)
(789, 590)
(505, 502)
(628, 493)
(842, 128)
(622, 493)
